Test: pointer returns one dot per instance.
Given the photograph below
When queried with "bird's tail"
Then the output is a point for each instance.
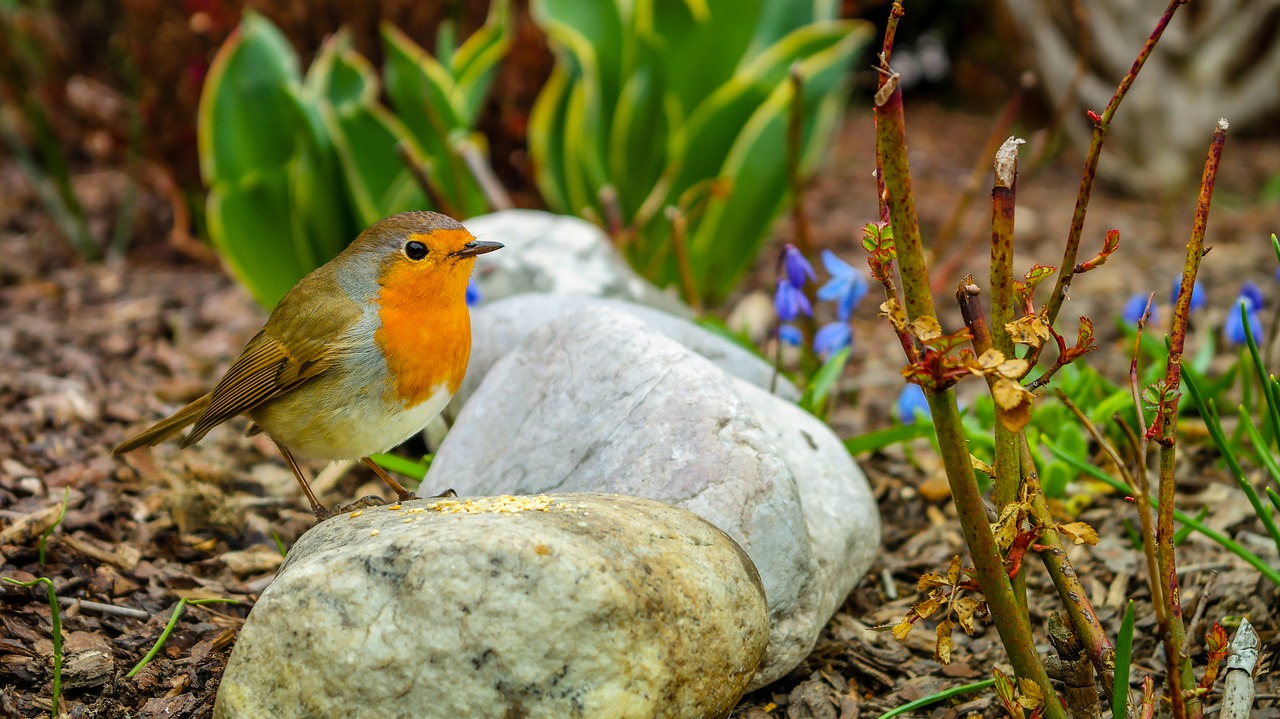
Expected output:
(165, 428)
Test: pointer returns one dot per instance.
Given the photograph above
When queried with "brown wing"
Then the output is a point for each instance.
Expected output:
(301, 339)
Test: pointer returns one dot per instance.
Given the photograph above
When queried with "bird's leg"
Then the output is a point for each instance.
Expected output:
(402, 494)
(320, 512)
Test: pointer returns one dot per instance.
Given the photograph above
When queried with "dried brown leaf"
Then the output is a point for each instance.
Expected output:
(942, 649)
(1079, 532)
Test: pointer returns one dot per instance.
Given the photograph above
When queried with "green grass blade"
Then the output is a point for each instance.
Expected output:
(1260, 444)
(1124, 655)
(935, 698)
(1214, 425)
(400, 465)
(1268, 387)
(872, 441)
(824, 381)
(55, 619)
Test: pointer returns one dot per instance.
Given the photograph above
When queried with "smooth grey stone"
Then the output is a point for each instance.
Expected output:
(572, 605)
(600, 401)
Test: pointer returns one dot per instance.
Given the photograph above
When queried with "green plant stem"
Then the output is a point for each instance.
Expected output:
(1010, 618)
(1075, 599)
(1067, 269)
(43, 544)
(1003, 195)
(1124, 656)
(981, 334)
(55, 619)
(935, 698)
(168, 629)
(1253, 560)
(891, 148)
(1165, 425)
(886, 75)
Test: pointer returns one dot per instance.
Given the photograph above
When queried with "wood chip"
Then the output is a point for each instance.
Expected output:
(124, 556)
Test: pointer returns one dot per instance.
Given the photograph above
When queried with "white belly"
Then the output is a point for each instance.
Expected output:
(361, 425)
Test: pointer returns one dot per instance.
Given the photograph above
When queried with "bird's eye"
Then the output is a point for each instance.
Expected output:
(415, 250)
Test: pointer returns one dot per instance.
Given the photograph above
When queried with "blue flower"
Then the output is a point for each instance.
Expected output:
(1197, 294)
(796, 266)
(1133, 309)
(789, 301)
(473, 293)
(791, 335)
(832, 338)
(912, 404)
(847, 286)
(1253, 293)
(1251, 299)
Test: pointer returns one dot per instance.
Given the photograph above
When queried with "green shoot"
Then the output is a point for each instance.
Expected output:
(56, 619)
(1124, 654)
(173, 622)
(44, 536)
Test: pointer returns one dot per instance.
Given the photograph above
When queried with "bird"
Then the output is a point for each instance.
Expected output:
(357, 357)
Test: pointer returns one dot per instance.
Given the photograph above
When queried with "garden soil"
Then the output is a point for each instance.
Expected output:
(90, 351)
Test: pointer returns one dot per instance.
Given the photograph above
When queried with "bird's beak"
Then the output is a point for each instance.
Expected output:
(477, 247)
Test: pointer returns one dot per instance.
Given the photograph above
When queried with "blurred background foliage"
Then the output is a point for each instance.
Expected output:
(116, 84)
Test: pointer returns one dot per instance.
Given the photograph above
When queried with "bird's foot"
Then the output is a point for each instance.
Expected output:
(370, 500)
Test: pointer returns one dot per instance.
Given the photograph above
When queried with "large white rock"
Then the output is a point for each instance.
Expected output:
(497, 327)
(574, 605)
(600, 401)
(546, 252)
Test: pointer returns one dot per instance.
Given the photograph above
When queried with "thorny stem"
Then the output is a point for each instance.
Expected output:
(1011, 619)
(1003, 196)
(1138, 482)
(886, 53)
(1067, 268)
(1084, 620)
(1165, 427)
(980, 331)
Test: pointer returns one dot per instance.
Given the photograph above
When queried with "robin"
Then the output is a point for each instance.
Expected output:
(359, 356)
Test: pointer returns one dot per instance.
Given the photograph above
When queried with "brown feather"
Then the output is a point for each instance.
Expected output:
(265, 370)
(165, 428)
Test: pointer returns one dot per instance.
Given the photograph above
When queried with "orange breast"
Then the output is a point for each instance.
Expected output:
(426, 330)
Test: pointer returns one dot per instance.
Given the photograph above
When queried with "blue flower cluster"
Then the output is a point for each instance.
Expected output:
(846, 288)
(1234, 328)
(1137, 303)
(1250, 298)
